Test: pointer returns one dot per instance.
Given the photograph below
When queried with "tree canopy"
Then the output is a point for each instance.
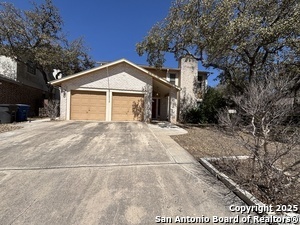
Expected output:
(245, 39)
(37, 36)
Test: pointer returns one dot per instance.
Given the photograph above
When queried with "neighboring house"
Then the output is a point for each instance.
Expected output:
(124, 91)
(21, 84)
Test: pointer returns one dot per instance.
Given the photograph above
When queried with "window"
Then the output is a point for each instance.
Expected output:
(31, 68)
(172, 78)
(199, 80)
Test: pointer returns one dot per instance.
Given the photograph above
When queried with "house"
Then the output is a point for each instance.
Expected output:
(124, 91)
(193, 84)
(21, 84)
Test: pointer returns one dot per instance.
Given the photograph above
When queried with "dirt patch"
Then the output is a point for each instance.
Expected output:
(9, 127)
(209, 142)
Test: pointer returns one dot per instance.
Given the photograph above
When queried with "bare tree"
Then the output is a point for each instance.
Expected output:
(267, 130)
(52, 109)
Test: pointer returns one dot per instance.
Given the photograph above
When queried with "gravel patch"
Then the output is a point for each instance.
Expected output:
(9, 127)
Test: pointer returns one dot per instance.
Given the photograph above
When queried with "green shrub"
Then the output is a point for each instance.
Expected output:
(193, 115)
(212, 103)
(207, 110)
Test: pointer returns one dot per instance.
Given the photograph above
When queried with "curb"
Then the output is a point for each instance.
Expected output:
(244, 195)
(247, 197)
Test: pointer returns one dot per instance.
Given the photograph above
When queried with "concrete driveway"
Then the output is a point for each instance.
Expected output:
(103, 173)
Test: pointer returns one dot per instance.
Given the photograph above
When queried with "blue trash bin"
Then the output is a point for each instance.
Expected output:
(22, 113)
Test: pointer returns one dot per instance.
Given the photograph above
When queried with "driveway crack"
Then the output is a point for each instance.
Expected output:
(20, 214)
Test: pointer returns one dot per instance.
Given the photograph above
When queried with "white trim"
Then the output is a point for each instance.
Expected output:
(168, 108)
(108, 105)
(109, 113)
(176, 77)
(129, 92)
(68, 112)
(91, 89)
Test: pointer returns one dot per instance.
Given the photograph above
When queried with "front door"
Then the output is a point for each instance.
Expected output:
(155, 108)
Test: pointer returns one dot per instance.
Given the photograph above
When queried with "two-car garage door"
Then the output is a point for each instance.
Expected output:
(91, 105)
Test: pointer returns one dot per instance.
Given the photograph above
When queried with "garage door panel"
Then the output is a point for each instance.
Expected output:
(80, 109)
(88, 105)
(127, 107)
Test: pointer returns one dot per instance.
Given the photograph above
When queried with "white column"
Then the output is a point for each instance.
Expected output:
(173, 105)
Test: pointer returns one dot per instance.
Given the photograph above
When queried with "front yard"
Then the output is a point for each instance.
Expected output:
(208, 141)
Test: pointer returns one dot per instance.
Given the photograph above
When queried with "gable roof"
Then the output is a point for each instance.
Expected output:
(83, 73)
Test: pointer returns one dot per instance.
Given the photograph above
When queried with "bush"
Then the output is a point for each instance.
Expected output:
(212, 103)
(207, 111)
(193, 115)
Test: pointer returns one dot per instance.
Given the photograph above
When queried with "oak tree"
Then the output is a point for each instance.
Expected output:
(244, 39)
(37, 36)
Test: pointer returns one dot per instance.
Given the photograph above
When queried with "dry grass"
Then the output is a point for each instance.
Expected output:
(209, 142)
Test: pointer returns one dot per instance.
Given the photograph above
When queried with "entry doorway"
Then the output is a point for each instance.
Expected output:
(155, 108)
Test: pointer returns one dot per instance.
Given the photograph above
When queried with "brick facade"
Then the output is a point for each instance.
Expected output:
(15, 93)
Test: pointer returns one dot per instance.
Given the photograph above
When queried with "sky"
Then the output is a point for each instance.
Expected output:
(111, 28)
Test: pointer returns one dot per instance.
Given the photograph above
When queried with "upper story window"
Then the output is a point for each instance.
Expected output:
(200, 80)
(172, 78)
(31, 68)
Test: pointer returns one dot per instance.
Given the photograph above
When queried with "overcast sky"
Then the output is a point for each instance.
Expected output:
(111, 28)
